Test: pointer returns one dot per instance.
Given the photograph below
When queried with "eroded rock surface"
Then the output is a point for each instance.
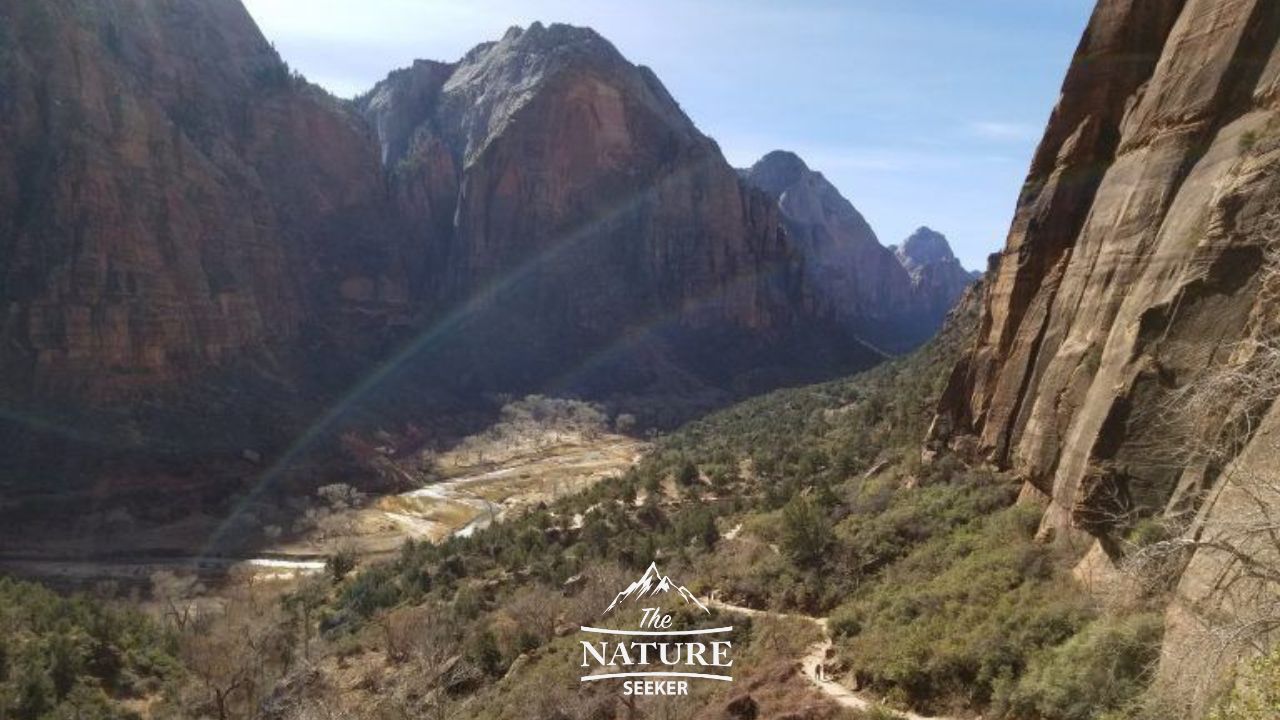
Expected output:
(572, 211)
(1133, 269)
(170, 196)
(848, 269)
(937, 277)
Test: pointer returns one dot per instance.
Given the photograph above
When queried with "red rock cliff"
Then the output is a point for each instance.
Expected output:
(170, 196)
(1135, 269)
(1133, 259)
(574, 214)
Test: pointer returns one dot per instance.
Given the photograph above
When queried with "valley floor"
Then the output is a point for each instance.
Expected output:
(475, 483)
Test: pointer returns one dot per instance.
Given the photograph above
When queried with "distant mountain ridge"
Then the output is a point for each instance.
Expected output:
(936, 274)
(547, 165)
(894, 300)
(539, 215)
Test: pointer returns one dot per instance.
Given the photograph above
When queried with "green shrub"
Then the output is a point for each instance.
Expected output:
(1257, 693)
(482, 650)
(806, 531)
(1101, 668)
(341, 563)
(75, 656)
(687, 474)
(961, 613)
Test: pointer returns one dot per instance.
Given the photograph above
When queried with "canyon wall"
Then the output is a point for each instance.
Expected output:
(874, 293)
(539, 214)
(202, 254)
(581, 228)
(1136, 268)
(170, 196)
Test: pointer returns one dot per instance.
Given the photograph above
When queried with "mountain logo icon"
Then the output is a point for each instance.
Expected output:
(653, 584)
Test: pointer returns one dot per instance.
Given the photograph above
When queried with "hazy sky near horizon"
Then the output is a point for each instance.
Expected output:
(922, 112)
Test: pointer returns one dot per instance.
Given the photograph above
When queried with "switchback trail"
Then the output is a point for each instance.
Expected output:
(814, 659)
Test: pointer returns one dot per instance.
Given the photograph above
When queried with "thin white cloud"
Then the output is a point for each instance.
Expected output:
(1004, 131)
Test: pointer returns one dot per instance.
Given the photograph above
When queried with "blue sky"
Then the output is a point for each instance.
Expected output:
(922, 112)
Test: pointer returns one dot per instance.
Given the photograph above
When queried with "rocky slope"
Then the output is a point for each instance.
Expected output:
(201, 254)
(1136, 267)
(540, 214)
(171, 197)
(851, 272)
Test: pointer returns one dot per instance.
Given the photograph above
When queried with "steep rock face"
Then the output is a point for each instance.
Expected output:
(849, 270)
(937, 277)
(1133, 268)
(170, 197)
(1155, 158)
(573, 211)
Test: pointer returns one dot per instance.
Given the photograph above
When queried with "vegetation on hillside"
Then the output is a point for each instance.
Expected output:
(811, 501)
(77, 657)
(1256, 695)
(940, 598)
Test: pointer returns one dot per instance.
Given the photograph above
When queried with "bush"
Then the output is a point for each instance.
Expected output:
(341, 563)
(806, 532)
(687, 475)
(75, 656)
(1101, 668)
(1256, 695)
(962, 613)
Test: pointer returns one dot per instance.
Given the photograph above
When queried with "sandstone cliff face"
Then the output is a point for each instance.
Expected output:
(170, 197)
(1132, 268)
(579, 225)
(200, 253)
(541, 211)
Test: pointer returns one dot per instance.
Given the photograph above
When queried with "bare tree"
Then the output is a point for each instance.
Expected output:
(235, 656)
(175, 594)
(1225, 559)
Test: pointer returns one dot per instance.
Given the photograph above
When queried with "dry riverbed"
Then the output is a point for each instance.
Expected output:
(473, 493)
(477, 482)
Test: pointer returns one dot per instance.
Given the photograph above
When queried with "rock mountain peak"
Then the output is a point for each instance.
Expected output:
(777, 171)
(473, 100)
(880, 294)
(539, 201)
(926, 245)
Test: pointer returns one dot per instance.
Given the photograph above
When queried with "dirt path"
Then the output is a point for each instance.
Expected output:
(813, 662)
